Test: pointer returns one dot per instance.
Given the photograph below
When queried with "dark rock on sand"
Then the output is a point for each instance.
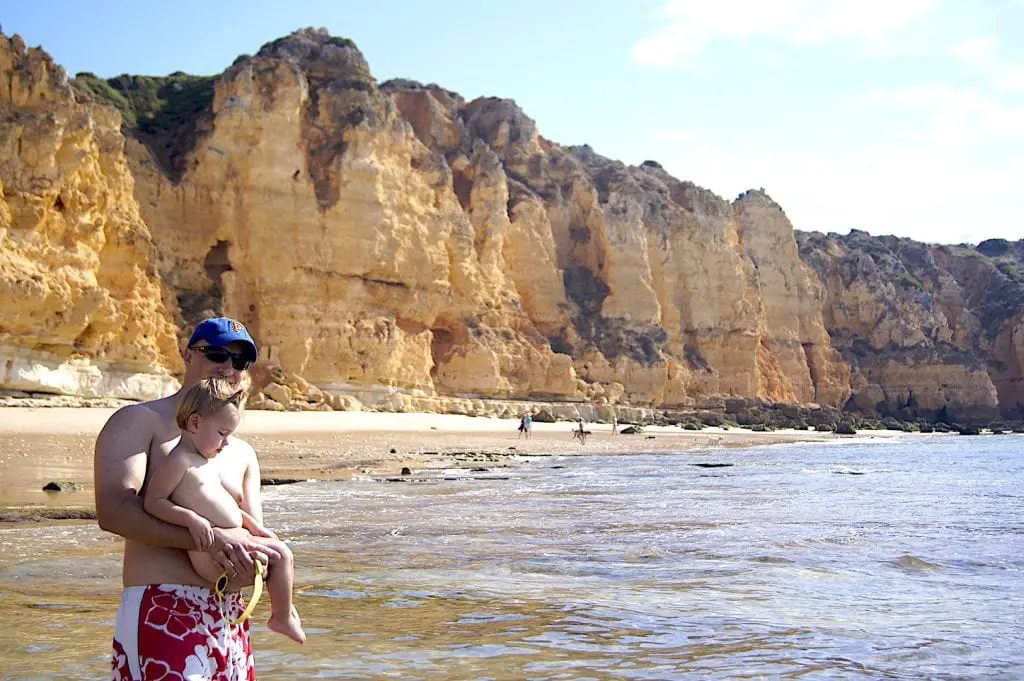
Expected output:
(270, 482)
(63, 486)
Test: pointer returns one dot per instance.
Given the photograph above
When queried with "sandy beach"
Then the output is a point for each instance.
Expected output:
(39, 445)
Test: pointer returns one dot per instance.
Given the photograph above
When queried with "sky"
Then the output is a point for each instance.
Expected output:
(901, 117)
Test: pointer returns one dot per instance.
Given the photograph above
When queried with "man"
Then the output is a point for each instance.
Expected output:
(169, 619)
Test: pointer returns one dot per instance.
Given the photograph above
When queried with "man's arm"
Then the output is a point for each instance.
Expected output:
(252, 502)
(119, 469)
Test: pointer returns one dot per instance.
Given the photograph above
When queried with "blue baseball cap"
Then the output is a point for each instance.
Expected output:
(220, 331)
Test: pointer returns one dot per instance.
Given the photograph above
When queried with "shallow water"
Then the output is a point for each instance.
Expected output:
(868, 560)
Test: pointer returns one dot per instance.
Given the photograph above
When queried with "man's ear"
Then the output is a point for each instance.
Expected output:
(193, 423)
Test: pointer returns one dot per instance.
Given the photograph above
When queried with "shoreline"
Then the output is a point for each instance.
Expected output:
(39, 445)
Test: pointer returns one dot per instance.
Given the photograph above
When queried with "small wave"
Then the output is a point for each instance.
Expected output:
(644, 554)
(344, 594)
(42, 648)
(840, 470)
(772, 560)
(909, 562)
(839, 442)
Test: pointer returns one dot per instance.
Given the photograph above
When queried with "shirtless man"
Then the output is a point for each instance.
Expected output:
(188, 488)
(164, 621)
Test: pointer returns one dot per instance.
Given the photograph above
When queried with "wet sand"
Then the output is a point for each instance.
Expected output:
(39, 445)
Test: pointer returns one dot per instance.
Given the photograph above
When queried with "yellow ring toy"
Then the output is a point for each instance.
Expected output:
(257, 591)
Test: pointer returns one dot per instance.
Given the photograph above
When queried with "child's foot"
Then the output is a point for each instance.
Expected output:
(289, 625)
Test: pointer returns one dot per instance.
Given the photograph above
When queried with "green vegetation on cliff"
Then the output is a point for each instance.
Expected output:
(153, 105)
(164, 113)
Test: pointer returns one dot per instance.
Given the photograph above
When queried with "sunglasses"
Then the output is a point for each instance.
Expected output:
(219, 355)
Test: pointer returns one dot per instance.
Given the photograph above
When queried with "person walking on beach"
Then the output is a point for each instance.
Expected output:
(579, 433)
(186, 490)
(159, 581)
(525, 426)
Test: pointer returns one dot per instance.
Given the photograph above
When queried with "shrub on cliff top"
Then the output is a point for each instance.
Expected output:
(341, 42)
(1010, 270)
(103, 91)
(993, 248)
(153, 105)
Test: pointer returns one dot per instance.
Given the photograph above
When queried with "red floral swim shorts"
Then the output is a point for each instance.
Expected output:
(174, 632)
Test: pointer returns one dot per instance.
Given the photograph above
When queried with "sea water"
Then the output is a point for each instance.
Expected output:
(870, 559)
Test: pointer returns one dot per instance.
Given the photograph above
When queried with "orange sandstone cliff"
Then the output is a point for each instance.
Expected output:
(81, 303)
(396, 239)
(934, 332)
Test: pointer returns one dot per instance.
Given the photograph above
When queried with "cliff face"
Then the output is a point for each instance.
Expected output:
(928, 331)
(81, 305)
(309, 210)
(402, 236)
(397, 236)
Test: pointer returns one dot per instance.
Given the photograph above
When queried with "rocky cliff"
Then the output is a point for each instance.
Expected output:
(934, 332)
(394, 237)
(81, 304)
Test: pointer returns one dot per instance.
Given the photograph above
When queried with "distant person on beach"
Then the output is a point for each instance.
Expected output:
(159, 580)
(526, 426)
(615, 426)
(186, 489)
(580, 433)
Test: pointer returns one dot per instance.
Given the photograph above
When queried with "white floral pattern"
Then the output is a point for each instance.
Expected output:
(183, 636)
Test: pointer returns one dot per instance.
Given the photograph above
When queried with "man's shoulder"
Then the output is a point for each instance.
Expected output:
(148, 417)
(241, 447)
(138, 414)
(239, 454)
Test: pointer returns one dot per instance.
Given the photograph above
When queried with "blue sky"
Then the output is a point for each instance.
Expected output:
(897, 117)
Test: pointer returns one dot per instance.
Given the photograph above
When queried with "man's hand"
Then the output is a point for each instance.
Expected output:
(202, 533)
(235, 552)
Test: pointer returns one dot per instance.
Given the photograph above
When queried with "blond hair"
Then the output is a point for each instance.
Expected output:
(209, 395)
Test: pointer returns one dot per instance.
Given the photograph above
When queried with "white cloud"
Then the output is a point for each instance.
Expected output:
(980, 54)
(935, 163)
(690, 25)
(1010, 79)
(948, 116)
(927, 194)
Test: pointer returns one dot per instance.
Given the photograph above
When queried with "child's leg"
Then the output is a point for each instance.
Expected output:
(284, 618)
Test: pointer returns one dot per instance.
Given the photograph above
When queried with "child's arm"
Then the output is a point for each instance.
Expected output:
(255, 529)
(166, 478)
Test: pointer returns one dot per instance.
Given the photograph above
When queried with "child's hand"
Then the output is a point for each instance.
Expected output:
(256, 529)
(202, 533)
(260, 531)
